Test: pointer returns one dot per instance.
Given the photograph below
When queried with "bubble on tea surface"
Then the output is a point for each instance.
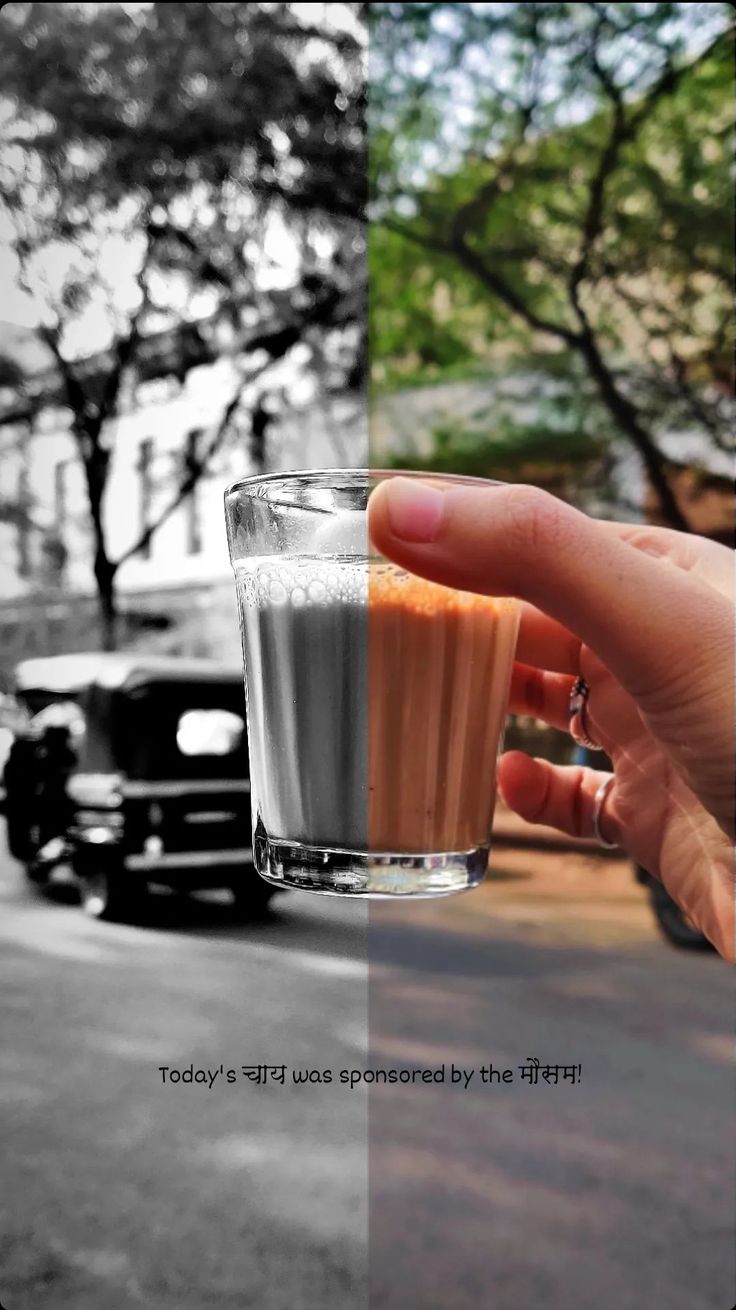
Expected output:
(297, 582)
(277, 593)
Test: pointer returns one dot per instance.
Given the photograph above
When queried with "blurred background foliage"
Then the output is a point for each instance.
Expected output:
(183, 127)
(551, 203)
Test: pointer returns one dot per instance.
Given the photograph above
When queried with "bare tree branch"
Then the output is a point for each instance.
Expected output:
(75, 393)
(628, 419)
(192, 477)
(208, 270)
(126, 346)
(89, 415)
(623, 130)
(496, 283)
(479, 206)
(277, 343)
(423, 239)
(593, 221)
(625, 413)
(699, 407)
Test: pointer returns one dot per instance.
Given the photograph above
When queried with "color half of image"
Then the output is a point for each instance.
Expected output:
(550, 256)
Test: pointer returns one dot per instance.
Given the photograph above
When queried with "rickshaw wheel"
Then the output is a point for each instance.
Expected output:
(34, 874)
(18, 837)
(673, 923)
(105, 894)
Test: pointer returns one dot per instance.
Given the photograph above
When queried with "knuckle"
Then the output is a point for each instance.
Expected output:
(537, 520)
(536, 811)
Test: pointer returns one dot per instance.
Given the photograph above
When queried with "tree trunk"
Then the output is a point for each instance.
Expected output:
(259, 423)
(619, 407)
(105, 579)
(627, 419)
(96, 467)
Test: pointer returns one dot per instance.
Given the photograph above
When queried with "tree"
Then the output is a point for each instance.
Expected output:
(559, 171)
(151, 155)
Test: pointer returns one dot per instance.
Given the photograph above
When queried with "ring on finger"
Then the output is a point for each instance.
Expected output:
(578, 715)
(598, 803)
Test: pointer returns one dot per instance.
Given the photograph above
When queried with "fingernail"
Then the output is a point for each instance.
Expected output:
(414, 510)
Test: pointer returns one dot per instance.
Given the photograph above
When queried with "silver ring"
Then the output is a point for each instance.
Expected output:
(598, 803)
(578, 712)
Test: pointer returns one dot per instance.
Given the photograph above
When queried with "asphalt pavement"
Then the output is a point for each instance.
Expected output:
(124, 1189)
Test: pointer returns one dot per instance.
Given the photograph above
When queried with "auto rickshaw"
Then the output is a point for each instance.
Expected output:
(134, 770)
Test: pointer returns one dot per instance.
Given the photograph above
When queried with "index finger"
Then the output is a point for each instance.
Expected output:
(627, 606)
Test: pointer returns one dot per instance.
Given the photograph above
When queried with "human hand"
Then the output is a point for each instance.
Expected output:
(646, 615)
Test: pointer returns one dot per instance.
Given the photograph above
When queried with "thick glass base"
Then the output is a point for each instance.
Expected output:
(379, 875)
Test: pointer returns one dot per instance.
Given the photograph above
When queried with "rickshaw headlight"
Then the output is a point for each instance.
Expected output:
(101, 791)
(92, 818)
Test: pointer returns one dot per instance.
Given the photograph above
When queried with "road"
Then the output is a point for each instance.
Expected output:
(123, 1191)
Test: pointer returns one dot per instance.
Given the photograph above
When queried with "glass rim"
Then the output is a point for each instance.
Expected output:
(353, 476)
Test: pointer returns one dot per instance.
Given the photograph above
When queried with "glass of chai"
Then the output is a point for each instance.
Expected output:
(376, 700)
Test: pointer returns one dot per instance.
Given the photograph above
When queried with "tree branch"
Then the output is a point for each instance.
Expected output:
(460, 251)
(277, 344)
(194, 474)
(75, 393)
(720, 434)
(628, 419)
(89, 416)
(342, 206)
(423, 239)
(208, 270)
(480, 204)
(495, 282)
(125, 346)
(620, 407)
(593, 221)
(623, 130)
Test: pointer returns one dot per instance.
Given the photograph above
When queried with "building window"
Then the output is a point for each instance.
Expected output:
(145, 460)
(60, 498)
(192, 473)
(53, 559)
(23, 521)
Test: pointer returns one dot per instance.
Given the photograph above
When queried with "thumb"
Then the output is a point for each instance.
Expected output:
(657, 628)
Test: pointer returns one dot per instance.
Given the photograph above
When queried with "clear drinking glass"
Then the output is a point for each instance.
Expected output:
(376, 700)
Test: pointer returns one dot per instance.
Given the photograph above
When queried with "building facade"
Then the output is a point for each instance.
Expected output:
(175, 595)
